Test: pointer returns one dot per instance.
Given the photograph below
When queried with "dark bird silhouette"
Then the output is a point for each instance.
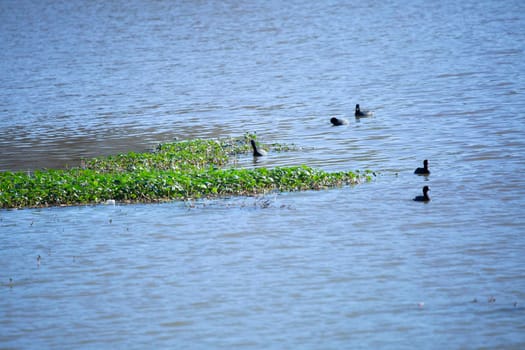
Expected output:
(424, 170)
(361, 113)
(424, 197)
(338, 121)
(256, 151)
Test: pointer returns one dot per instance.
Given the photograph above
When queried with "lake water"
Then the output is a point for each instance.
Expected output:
(355, 267)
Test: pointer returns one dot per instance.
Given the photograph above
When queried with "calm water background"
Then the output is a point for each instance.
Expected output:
(357, 267)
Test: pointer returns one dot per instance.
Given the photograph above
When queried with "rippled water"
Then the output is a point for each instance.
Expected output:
(357, 267)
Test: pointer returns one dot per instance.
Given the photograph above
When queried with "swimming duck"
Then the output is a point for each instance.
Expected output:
(338, 121)
(359, 113)
(256, 151)
(424, 170)
(424, 197)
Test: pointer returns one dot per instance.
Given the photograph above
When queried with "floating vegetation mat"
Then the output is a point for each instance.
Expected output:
(173, 171)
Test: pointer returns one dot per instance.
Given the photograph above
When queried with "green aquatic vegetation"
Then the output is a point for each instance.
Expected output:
(184, 155)
(180, 170)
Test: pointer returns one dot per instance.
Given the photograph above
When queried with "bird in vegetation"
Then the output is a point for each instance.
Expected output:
(362, 113)
(424, 170)
(257, 152)
(424, 197)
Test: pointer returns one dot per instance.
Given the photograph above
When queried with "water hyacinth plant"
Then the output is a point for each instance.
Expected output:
(173, 171)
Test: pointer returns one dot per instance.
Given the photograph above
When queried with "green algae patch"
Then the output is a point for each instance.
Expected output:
(173, 171)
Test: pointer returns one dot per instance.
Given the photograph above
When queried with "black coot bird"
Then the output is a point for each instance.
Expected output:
(338, 121)
(256, 151)
(424, 170)
(424, 197)
(360, 113)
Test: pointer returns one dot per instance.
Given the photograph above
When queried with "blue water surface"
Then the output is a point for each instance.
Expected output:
(354, 267)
